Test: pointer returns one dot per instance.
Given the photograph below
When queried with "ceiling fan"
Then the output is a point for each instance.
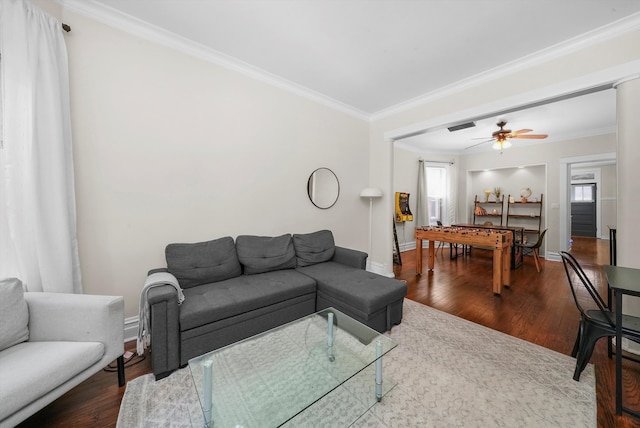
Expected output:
(502, 136)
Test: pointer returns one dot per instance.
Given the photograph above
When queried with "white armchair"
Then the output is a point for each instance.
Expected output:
(71, 337)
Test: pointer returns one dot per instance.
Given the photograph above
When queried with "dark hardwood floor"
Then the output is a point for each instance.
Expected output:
(538, 307)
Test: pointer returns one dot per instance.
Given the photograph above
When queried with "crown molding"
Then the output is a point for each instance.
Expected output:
(139, 28)
(598, 35)
(116, 19)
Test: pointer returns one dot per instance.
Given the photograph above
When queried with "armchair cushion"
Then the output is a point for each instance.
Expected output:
(313, 248)
(260, 254)
(14, 313)
(71, 337)
(203, 262)
(29, 377)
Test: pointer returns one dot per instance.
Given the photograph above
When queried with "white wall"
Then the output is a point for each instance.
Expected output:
(405, 179)
(170, 148)
(608, 198)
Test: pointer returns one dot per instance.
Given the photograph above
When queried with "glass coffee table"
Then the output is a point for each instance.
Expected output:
(269, 379)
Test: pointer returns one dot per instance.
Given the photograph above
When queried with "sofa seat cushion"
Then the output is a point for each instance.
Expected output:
(213, 302)
(203, 262)
(30, 370)
(357, 288)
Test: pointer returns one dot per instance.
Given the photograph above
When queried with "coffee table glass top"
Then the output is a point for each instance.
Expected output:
(268, 379)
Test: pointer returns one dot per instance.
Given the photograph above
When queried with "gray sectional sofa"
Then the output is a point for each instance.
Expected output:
(233, 290)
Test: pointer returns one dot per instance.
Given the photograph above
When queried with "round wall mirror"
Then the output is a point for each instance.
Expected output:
(323, 188)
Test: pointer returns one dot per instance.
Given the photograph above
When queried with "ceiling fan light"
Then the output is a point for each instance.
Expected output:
(501, 144)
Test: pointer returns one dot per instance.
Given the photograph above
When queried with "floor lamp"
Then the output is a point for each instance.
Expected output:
(371, 193)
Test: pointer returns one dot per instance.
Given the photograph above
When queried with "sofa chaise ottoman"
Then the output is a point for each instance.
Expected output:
(343, 283)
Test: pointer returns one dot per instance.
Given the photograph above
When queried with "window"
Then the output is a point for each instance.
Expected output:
(583, 193)
(438, 195)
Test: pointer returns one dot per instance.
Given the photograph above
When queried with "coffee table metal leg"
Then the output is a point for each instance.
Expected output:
(208, 379)
(379, 371)
(330, 337)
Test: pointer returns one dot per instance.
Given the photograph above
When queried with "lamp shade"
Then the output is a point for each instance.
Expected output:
(371, 192)
(499, 145)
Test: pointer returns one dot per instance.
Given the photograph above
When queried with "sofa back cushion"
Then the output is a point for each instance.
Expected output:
(265, 253)
(313, 248)
(14, 313)
(203, 262)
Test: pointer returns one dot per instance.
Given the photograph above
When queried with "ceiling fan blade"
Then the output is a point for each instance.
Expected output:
(521, 131)
(478, 144)
(531, 136)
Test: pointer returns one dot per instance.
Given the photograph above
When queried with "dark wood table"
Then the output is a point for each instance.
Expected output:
(622, 280)
(516, 252)
(498, 240)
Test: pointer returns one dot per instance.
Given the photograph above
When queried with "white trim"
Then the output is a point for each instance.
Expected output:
(555, 91)
(147, 31)
(597, 179)
(598, 35)
(553, 256)
(131, 328)
(564, 189)
(407, 246)
(380, 269)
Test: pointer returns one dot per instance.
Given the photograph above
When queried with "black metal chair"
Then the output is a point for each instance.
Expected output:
(440, 243)
(594, 323)
(533, 248)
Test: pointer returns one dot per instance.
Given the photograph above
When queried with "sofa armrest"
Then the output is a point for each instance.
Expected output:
(349, 257)
(165, 330)
(77, 318)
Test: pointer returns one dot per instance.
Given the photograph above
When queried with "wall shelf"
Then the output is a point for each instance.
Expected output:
(489, 211)
(526, 214)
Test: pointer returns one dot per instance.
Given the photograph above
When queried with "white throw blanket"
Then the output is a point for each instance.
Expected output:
(153, 280)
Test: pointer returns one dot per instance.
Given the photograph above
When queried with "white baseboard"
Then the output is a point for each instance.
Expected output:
(131, 328)
(407, 246)
(553, 256)
(380, 269)
(627, 345)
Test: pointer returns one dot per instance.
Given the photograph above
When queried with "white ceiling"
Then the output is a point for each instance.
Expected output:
(371, 56)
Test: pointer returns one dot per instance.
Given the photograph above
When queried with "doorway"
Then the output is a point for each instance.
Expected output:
(599, 169)
(583, 210)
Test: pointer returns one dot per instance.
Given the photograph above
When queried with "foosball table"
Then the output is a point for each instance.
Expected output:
(499, 240)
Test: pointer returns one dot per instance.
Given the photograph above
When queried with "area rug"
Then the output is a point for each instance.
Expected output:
(449, 372)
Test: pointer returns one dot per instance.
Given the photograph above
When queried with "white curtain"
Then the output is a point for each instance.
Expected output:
(452, 185)
(422, 203)
(38, 241)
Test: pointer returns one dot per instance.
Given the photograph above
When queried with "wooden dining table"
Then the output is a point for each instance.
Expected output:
(499, 240)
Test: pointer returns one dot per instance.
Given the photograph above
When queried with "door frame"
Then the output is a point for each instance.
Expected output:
(597, 172)
(565, 190)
